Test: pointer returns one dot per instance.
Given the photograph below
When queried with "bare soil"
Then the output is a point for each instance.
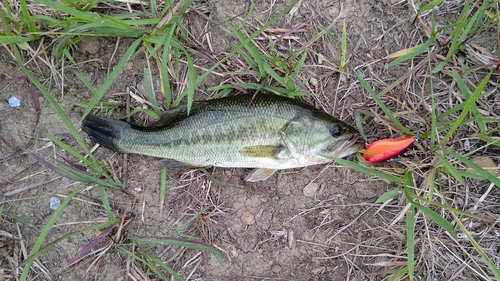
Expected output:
(336, 232)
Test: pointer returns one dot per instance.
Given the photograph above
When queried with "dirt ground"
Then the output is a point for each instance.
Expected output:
(316, 223)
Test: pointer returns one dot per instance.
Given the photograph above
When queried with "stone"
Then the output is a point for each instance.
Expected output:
(248, 218)
(311, 189)
(89, 45)
(276, 268)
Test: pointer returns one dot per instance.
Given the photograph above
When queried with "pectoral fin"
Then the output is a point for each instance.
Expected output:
(173, 164)
(265, 151)
(260, 175)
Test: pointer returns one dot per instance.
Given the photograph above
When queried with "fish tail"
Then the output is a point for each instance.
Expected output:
(104, 131)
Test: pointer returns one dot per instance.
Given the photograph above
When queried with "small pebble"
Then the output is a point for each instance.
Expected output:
(311, 189)
(156, 85)
(128, 66)
(89, 45)
(276, 268)
(321, 188)
(14, 102)
(466, 144)
(54, 203)
(248, 218)
(314, 81)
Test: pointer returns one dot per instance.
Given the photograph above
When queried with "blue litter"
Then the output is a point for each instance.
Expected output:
(54, 203)
(14, 102)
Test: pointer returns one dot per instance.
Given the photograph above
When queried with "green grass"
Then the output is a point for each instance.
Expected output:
(79, 21)
(282, 76)
(443, 127)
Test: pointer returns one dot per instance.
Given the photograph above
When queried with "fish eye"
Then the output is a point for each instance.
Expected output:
(335, 131)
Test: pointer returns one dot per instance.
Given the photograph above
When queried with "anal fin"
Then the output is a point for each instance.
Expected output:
(260, 174)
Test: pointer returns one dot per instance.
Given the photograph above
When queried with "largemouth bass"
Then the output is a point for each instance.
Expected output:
(267, 133)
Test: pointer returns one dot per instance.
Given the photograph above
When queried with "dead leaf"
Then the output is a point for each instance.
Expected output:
(486, 163)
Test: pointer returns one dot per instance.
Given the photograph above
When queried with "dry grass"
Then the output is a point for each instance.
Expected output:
(195, 202)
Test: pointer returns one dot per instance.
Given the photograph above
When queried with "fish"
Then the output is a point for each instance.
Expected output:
(384, 149)
(266, 132)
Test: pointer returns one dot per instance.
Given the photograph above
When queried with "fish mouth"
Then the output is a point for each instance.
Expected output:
(349, 147)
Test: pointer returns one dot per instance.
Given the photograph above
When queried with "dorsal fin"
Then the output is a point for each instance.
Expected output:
(172, 114)
(169, 115)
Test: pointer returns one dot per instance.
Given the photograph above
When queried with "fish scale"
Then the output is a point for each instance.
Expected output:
(264, 132)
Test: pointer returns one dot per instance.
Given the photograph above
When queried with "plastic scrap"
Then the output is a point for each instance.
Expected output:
(14, 102)
(54, 203)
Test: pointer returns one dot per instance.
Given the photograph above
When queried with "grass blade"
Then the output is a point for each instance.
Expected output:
(26, 17)
(103, 21)
(62, 115)
(159, 262)
(254, 52)
(466, 92)
(177, 242)
(410, 225)
(406, 54)
(343, 48)
(148, 85)
(494, 268)
(430, 5)
(105, 202)
(51, 245)
(381, 104)
(165, 80)
(435, 217)
(191, 87)
(85, 81)
(150, 265)
(163, 187)
(468, 105)
(398, 275)
(91, 245)
(247, 40)
(448, 167)
(483, 174)
(364, 169)
(111, 78)
(93, 165)
(45, 231)
(434, 122)
(388, 195)
(14, 39)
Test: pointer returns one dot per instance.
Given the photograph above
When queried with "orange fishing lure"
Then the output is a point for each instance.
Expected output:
(384, 149)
